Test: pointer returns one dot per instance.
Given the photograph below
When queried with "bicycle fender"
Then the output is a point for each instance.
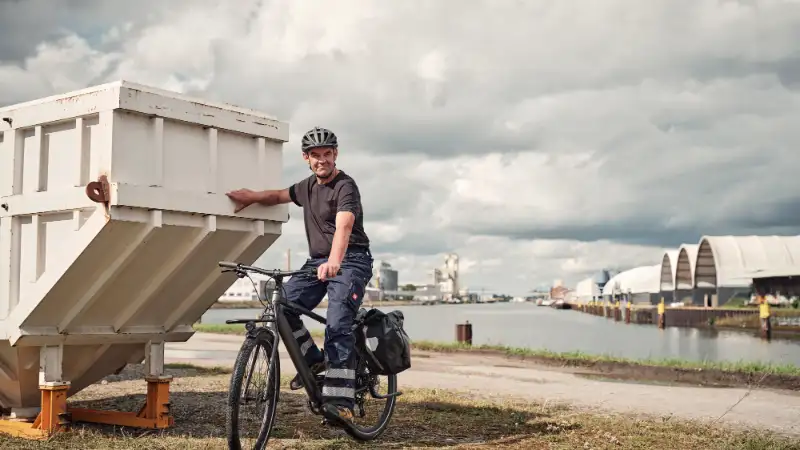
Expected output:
(261, 333)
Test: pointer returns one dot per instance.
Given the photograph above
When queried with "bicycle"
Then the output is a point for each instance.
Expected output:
(273, 326)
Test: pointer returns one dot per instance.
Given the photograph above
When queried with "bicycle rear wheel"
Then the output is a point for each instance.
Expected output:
(253, 394)
(372, 415)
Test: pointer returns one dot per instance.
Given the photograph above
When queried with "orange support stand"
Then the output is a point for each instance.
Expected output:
(55, 416)
(54, 406)
(154, 413)
(51, 419)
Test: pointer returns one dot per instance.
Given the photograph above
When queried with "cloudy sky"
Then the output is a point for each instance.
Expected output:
(539, 140)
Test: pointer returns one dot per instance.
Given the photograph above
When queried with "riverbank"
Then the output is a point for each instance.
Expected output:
(703, 373)
(782, 320)
(424, 418)
(257, 305)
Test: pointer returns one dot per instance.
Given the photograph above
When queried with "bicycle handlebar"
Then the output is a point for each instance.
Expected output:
(270, 273)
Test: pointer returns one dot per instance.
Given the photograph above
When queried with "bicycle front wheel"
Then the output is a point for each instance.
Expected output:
(253, 394)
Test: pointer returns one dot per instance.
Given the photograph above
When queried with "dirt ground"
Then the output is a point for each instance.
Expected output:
(424, 418)
(495, 376)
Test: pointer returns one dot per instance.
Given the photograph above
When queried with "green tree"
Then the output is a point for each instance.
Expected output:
(409, 288)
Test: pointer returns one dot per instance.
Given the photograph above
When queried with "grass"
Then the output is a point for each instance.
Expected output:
(424, 418)
(219, 328)
(568, 358)
(201, 370)
(581, 357)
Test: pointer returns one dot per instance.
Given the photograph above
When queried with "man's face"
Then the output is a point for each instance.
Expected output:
(321, 160)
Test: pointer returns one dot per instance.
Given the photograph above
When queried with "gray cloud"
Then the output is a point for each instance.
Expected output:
(605, 129)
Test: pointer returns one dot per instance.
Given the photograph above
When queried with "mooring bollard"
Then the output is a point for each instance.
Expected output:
(464, 333)
(766, 325)
(662, 309)
(628, 312)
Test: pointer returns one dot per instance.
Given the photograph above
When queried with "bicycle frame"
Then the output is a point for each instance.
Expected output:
(292, 347)
(277, 328)
(281, 329)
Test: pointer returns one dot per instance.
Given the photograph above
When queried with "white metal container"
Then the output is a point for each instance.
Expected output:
(91, 277)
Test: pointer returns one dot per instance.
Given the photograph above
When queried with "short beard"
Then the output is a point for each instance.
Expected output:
(333, 170)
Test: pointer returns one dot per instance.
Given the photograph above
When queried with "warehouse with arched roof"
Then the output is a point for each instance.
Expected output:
(642, 283)
(684, 273)
(726, 264)
(669, 264)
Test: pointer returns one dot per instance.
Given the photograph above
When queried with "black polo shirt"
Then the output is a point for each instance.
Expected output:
(320, 203)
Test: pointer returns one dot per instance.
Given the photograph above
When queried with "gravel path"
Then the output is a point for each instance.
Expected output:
(498, 376)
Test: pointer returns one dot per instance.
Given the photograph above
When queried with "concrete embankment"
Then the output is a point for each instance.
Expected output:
(783, 320)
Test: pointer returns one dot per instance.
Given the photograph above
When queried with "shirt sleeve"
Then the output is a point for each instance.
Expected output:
(298, 193)
(349, 199)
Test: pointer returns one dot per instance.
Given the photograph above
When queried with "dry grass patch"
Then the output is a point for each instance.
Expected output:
(425, 418)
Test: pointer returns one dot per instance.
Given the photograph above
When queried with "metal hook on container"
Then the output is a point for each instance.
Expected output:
(97, 191)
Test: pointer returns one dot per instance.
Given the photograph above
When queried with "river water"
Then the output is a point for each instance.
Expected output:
(531, 326)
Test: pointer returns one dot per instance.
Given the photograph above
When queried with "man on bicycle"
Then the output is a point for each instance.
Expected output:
(334, 225)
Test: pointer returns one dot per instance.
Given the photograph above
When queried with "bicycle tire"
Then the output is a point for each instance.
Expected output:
(265, 340)
(386, 415)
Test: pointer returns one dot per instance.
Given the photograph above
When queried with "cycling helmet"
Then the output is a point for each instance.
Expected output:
(319, 137)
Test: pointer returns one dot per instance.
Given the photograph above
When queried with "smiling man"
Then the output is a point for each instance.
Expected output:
(334, 224)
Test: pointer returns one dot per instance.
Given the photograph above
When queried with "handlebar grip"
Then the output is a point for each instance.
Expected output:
(228, 264)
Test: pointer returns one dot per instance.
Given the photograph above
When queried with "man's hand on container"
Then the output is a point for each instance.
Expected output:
(242, 198)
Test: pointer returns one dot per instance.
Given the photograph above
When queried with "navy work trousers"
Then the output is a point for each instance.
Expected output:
(345, 293)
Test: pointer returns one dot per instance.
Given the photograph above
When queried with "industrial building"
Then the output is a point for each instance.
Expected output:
(446, 278)
(669, 266)
(684, 273)
(726, 265)
(591, 288)
(639, 285)
(242, 289)
(710, 273)
(384, 278)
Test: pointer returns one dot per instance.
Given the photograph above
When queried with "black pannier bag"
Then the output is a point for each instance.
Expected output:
(382, 341)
